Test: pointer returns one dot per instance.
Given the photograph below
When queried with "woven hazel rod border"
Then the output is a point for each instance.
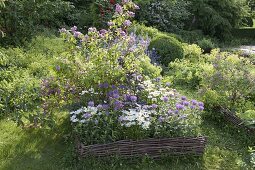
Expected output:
(153, 148)
(235, 120)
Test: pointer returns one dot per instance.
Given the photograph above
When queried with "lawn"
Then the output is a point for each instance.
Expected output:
(29, 149)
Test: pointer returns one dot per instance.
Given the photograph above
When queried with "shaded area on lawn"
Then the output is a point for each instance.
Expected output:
(29, 149)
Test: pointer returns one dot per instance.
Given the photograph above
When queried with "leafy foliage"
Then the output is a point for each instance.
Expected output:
(217, 18)
(21, 73)
(166, 15)
(20, 19)
(168, 48)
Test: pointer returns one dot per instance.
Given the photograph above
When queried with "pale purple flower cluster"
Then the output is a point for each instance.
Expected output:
(118, 9)
(127, 23)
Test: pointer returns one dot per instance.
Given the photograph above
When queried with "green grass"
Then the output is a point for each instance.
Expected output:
(43, 150)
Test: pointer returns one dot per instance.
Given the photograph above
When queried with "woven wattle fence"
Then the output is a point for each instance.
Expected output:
(235, 120)
(153, 148)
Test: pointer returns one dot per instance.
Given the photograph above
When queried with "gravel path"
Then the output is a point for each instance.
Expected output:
(247, 50)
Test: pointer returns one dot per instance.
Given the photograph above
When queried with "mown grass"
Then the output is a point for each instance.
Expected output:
(43, 150)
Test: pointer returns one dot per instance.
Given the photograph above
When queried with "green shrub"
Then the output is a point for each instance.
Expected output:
(206, 44)
(168, 48)
(21, 19)
(144, 30)
(22, 73)
(191, 36)
(230, 79)
(166, 15)
(192, 52)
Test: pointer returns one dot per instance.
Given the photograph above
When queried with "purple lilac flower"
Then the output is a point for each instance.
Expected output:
(170, 111)
(87, 115)
(185, 103)
(158, 79)
(103, 85)
(179, 106)
(168, 84)
(103, 31)
(160, 119)
(92, 29)
(58, 68)
(154, 106)
(123, 33)
(105, 106)
(201, 108)
(139, 77)
(122, 86)
(99, 107)
(133, 98)
(119, 9)
(62, 30)
(165, 99)
(184, 98)
(176, 111)
(74, 28)
(77, 34)
(145, 107)
(126, 97)
(131, 14)
(136, 6)
(127, 23)
(201, 104)
(110, 23)
(114, 87)
(194, 102)
(125, 1)
(183, 117)
(91, 103)
(192, 107)
(118, 105)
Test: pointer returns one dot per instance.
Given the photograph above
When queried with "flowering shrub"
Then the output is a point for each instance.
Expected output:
(231, 81)
(146, 108)
(106, 55)
(122, 99)
(223, 79)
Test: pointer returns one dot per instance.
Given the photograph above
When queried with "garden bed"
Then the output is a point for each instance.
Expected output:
(153, 148)
(235, 120)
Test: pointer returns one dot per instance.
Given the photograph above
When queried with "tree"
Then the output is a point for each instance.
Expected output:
(218, 17)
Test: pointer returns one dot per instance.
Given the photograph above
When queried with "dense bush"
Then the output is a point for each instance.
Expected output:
(223, 79)
(206, 44)
(187, 71)
(230, 83)
(20, 19)
(166, 15)
(217, 18)
(168, 48)
(22, 72)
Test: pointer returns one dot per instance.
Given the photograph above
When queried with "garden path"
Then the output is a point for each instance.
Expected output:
(247, 50)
